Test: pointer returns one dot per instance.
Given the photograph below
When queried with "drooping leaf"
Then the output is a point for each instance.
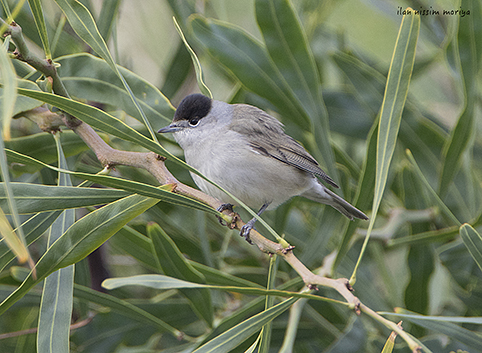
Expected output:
(86, 235)
(172, 262)
(57, 295)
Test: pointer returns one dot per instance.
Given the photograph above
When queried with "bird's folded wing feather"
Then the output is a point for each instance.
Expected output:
(266, 136)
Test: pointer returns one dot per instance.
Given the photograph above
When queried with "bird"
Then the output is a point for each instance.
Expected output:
(246, 151)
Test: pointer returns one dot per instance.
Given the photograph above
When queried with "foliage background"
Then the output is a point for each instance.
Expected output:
(415, 260)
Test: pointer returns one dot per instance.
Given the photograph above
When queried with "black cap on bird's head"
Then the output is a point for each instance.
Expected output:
(192, 109)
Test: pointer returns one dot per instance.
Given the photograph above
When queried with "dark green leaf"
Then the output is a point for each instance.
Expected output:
(172, 263)
(33, 198)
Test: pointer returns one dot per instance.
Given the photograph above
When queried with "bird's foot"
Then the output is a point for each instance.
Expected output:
(245, 230)
(223, 207)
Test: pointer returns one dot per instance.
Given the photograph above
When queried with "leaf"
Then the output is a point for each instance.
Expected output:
(96, 118)
(24, 103)
(265, 335)
(468, 47)
(107, 17)
(166, 282)
(86, 235)
(105, 122)
(444, 325)
(232, 338)
(34, 198)
(57, 300)
(363, 197)
(443, 207)
(396, 91)
(139, 246)
(38, 16)
(172, 263)
(473, 242)
(41, 146)
(124, 308)
(12, 240)
(34, 227)
(288, 47)
(162, 192)
(9, 93)
(88, 77)
(84, 25)
(195, 61)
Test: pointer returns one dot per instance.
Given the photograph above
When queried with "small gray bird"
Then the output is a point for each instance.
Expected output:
(246, 151)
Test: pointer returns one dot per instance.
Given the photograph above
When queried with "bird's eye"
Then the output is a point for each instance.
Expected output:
(194, 122)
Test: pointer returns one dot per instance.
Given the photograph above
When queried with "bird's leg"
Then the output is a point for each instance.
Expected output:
(246, 229)
(224, 206)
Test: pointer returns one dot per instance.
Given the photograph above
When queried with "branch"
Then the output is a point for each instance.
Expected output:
(153, 163)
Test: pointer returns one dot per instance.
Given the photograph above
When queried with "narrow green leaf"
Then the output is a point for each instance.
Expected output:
(81, 72)
(12, 240)
(57, 300)
(24, 103)
(166, 282)
(396, 91)
(33, 198)
(473, 242)
(97, 118)
(469, 54)
(444, 326)
(288, 47)
(252, 348)
(86, 235)
(162, 192)
(195, 61)
(125, 308)
(41, 146)
(443, 207)
(38, 16)
(363, 198)
(84, 25)
(107, 17)
(172, 262)
(390, 343)
(9, 93)
(34, 227)
(140, 247)
(241, 332)
(265, 335)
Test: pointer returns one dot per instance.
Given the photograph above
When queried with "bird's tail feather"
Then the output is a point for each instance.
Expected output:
(324, 195)
(344, 207)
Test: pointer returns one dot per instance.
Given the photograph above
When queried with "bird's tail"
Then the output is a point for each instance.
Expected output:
(328, 197)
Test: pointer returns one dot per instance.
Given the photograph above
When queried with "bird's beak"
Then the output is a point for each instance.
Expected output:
(170, 128)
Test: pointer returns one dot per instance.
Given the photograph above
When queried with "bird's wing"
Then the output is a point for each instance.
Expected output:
(265, 135)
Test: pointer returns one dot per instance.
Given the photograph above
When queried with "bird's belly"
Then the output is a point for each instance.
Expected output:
(252, 178)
